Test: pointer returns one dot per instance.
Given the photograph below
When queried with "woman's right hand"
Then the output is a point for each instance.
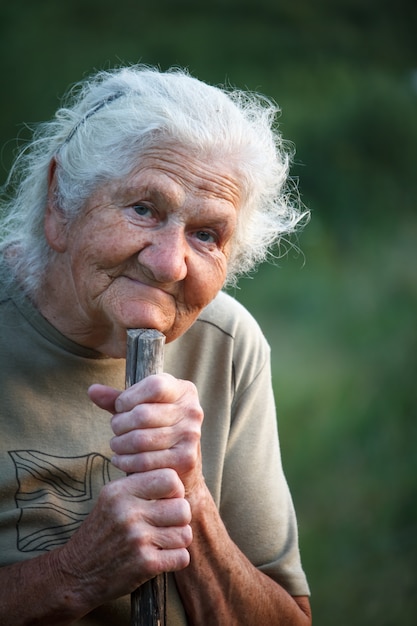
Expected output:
(139, 528)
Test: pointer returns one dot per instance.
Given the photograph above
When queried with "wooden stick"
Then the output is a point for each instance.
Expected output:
(145, 355)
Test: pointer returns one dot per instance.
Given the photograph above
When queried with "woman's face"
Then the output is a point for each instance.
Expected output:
(148, 251)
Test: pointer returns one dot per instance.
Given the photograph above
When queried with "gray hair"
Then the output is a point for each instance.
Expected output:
(105, 123)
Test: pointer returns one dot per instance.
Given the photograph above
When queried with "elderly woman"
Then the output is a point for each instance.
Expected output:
(132, 209)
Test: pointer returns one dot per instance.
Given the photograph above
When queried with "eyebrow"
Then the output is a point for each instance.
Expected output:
(148, 191)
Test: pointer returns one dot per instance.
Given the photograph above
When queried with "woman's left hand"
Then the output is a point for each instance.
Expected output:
(157, 424)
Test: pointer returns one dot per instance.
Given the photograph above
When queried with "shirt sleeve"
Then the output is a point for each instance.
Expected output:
(256, 504)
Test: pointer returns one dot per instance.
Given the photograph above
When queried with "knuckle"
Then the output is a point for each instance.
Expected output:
(138, 415)
(112, 500)
(137, 440)
(128, 464)
(131, 463)
(111, 491)
(189, 457)
(187, 536)
(176, 559)
(193, 435)
(184, 560)
(190, 389)
(196, 414)
(171, 480)
(146, 558)
(159, 384)
(185, 511)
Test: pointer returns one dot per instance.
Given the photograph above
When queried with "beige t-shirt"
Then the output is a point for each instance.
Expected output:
(54, 445)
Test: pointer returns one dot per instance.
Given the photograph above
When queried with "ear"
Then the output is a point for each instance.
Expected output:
(55, 223)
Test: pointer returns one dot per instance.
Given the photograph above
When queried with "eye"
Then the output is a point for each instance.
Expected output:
(205, 236)
(141, 210)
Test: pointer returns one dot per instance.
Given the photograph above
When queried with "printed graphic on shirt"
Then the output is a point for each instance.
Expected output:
(54, 495)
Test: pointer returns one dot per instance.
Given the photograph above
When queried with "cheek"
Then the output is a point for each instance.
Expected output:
(200, 289)
(205, 281)
(102, 234)
(100, 250)
(93, 267)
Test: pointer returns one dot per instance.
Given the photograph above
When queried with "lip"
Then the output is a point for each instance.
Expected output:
(152, 289)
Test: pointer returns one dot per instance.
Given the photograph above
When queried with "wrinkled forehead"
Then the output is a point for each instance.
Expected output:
(177, 171)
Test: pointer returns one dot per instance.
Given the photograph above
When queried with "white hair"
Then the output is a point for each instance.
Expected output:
(109, 119)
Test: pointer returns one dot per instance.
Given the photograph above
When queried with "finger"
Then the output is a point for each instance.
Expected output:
(172, 560)
(182, 459)
(184, 404)
(169, 512)
(144, 416)
(152, 485)
(103, 396)
(173, 538)
(154, 388)
(144, 440)
(144, 462)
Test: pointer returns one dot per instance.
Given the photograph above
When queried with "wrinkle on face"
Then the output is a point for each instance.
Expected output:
(123, 269)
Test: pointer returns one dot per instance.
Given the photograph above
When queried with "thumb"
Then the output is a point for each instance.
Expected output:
(104, 397)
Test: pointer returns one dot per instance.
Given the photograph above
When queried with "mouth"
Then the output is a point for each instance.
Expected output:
(154, 292)
(141, 305)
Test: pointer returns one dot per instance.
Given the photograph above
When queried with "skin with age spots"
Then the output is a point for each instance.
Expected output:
(147, 251)
(165, 223)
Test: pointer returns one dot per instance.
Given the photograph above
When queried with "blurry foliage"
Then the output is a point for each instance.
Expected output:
(340, 316)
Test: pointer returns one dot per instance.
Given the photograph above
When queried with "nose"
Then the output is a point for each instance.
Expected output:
(164, 259)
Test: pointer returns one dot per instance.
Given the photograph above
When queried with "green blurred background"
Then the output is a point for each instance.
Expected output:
(340, 316)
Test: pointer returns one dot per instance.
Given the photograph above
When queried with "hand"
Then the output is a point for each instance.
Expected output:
(157, 424)
(138, 529)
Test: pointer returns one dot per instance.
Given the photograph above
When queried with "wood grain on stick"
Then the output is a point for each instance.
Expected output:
(145, 356)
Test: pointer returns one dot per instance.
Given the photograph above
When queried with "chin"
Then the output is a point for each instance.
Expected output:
(146, 321)
(166, 322)
(177, 331)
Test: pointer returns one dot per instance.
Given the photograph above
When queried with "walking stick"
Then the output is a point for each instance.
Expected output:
(145, 355)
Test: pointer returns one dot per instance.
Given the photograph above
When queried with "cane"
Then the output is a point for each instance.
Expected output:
(145, 356)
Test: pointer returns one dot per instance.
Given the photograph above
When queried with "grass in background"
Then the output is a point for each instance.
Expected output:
(344, 356)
